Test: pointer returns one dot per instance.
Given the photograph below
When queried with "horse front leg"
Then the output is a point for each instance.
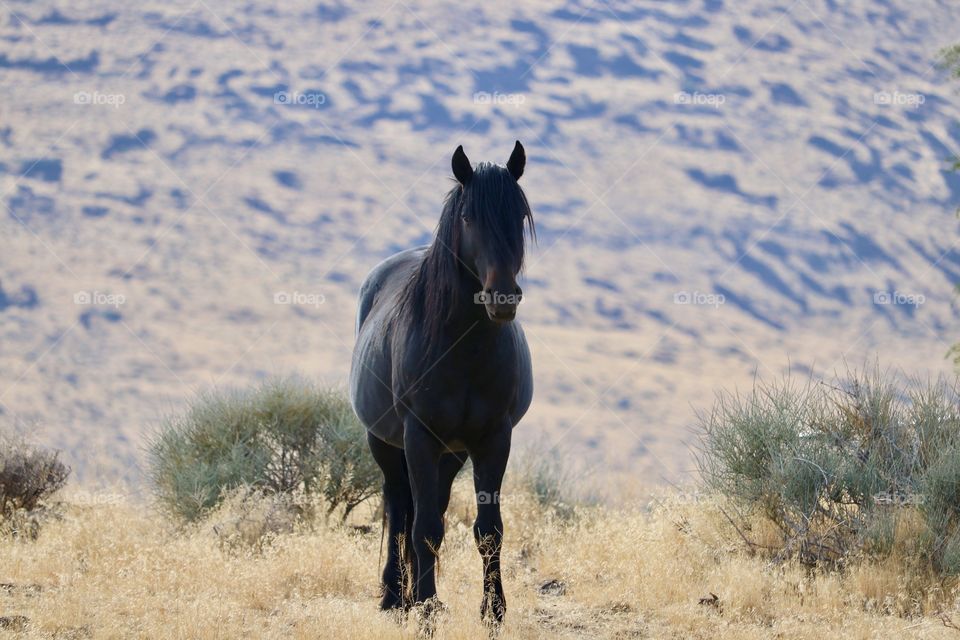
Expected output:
(489, 463)
(450, 465)
(423, 452)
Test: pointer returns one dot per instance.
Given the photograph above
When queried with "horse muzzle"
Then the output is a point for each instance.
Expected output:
(501, 307)
(502, 314)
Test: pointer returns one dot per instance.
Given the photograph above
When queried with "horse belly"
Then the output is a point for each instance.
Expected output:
(371, 376)
(371, 384)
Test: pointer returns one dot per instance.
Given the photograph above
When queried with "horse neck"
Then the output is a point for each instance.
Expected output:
(457, 316)
(464, 313)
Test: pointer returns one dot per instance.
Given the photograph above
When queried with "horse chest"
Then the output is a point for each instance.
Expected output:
(466, 394)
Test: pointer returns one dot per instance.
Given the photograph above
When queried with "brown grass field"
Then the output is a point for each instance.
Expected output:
(118, 570)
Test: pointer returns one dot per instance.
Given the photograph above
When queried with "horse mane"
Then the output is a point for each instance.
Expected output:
(493, 200)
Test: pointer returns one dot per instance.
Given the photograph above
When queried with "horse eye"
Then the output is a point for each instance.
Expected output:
(465, 219)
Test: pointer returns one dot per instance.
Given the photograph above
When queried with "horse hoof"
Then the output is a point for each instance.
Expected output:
(390, 601)
(430, 612)
(493, 610)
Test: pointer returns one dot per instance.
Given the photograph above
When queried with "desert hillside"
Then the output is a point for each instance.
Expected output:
(193, 191)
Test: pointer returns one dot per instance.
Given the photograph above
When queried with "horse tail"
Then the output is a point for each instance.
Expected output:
(383, 533)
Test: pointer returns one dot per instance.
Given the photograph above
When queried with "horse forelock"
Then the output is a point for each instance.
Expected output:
(495, 202)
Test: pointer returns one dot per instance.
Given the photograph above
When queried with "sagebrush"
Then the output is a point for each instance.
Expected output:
(286, 435)
(29, 476)
(837, 469)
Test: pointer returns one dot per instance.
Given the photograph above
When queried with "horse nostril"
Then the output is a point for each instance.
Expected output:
(518, 291)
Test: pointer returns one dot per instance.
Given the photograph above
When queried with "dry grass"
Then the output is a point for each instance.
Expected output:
(119, 571)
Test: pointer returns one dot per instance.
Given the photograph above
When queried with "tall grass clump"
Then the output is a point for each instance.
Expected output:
(823, 473)
(285, 436)
(551, 478)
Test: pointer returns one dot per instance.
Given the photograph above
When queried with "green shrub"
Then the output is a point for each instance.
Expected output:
(284, 436)
(950, 60)
(833, 468)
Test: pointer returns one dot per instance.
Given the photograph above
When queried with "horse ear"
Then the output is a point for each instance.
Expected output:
(462, 170)
(517, 161)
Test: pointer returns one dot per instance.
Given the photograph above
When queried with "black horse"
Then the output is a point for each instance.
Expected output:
(441, 371)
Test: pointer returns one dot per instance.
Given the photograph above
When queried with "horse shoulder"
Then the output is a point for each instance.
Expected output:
(390, 274)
